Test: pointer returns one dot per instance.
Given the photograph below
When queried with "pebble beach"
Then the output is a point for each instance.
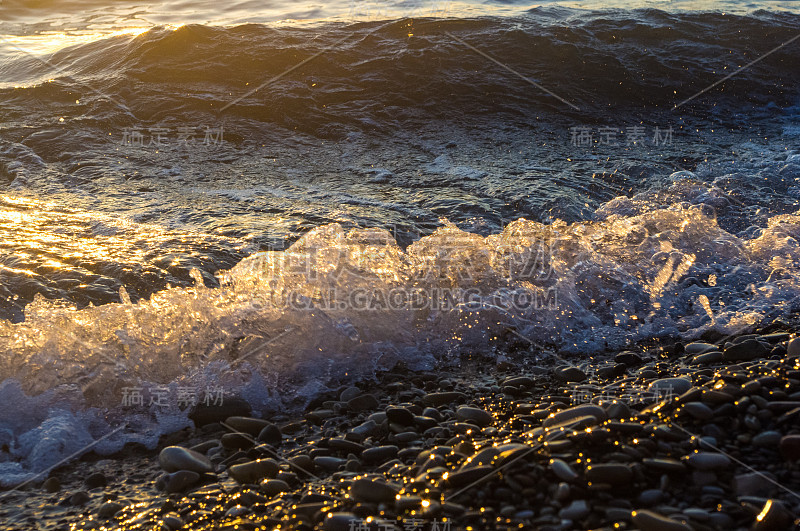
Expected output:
(697, 436)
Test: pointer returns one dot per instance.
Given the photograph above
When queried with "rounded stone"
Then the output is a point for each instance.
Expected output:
(109, 509)
(748, 349)
(79, 498)
(631, 359)
(52, 485)
(236, 441)
(247, 425)
(94, 481)
(273, 487)
(270, 434)
(174, 458)
(254, 471)
(442, 398)
(349, 394)
(651, 497)
(611, 473)
(664, 464)
(341, 522)
(331, 464)
(400, 415)
(573, 413)
(180, 481)
(363, 403)
(699, 348)
(467, 476)
(790, 447)
(676, 386)
(570, 374)
(773, 517)
(793, 348)
(203, 414)
(173, 521)
(707, 358)
(562, 470)
(698, 410)
(577, 510)
(379, 454)
(618, 410)
(373, 491)
(652, 521)
(472, 414)
(707, 461)
(767, 439)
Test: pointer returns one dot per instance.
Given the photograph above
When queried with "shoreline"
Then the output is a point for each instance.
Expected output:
(687, 436)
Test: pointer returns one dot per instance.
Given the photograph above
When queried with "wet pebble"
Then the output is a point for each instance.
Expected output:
(96, 480)
(174, 458)
(79, 498)
(341, 521)
(467, 476)
(698, 410)
(52, 484)
(577, 510)
(273, 487)
(254, 471)
(472, 414)
(442, 398)
(363, 403)
(744, 351)
(400, 415)
(328, 463)
(349, 394)
(611, 473)
(699, 348)
(790, 447)
(706, 461)
(270, 434)
(373, 491)
(173, 521)
(793, 348)
(248, 425)
(773, 517)
(109, 509)
(563, 471)
(573, 413)
(651, 497)
(570, 374)
(767, 439)
(379, 454)
(180, 481)
(652, 521)
(236, 441)
(676, 386)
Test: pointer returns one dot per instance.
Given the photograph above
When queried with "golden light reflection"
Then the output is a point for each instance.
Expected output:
(49, 43)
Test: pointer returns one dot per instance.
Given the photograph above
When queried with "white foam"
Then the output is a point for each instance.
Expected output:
(654, 265)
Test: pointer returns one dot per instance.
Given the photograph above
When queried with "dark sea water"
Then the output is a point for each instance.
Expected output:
(273, 199)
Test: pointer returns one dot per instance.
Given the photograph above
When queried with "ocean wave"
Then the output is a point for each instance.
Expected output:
(339, 305)
(643, 61)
